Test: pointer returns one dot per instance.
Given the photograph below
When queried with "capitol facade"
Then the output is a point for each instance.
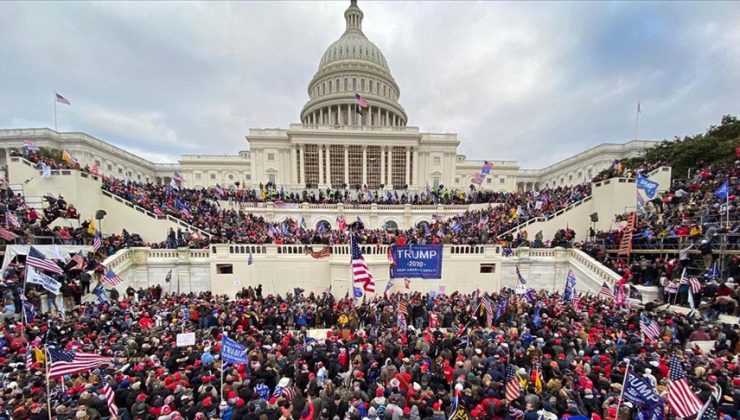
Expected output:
(352, 133)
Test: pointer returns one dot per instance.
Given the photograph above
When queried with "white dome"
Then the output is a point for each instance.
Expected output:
(352, 65)
(353, 45)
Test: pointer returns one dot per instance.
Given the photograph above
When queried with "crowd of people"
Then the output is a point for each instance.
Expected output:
(201, 208)
(446, 356)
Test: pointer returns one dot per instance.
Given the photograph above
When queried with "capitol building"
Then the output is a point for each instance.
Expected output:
(352, 132)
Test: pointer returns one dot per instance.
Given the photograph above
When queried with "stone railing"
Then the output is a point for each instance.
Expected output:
(142, 210)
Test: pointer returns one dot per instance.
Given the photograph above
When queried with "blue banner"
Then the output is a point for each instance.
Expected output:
(233, 352)
(417, 261)
(640, 391)
(650, 187)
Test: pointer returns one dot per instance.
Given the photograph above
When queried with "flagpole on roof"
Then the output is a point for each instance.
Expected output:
(637, 120)
(54, 100)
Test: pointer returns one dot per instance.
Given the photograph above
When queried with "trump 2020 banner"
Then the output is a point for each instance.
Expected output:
(417, 261)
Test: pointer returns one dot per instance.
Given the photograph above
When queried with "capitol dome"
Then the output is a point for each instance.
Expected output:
(352, 66)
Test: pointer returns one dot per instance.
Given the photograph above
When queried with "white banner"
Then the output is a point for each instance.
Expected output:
(48, 283)
(185, 339)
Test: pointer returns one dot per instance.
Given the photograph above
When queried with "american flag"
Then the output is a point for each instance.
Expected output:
(693, 283)
(108, 393)
(362, 102)
(70, 362)
(79, 261)
(322, 253)
(576, 301)
(62, 100)
(7, 235)
(486, 302)
(671, 287)
(110, 278)
(681, 399)
(513, 388)
(96, 242)
(12, 219)
(606, 291)
(37, 260)
(29, 146)
(360, 271)
(29, 357)
(649, 327)
(403, 308)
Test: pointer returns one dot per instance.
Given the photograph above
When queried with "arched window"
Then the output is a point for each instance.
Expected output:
(390, 225)
(339, 87)
(326, 226)
(370, 86)
(354, 84)
(362, 85)
(346, 84)
(331, 86)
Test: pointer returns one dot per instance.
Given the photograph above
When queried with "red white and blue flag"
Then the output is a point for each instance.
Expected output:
(62, 100)
(360, 271)
(12, 219)
(36, 259)
(70, 362)
(362, 102)
(110, 398)
(110, 278)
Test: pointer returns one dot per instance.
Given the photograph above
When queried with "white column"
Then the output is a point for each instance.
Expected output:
(364, 165)
(390, 167)
(382, 165)
(321, 116)
(415, 171)
(378, 121)
(303, 165)
(321, 165)
(346, 165)
(408, 165)
(293, 165)
(327, 181)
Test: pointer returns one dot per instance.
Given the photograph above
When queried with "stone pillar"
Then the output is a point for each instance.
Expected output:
(293, 165)
(382, 164)
(415, 170)
(321, 165)
(303, 165)
(328, 179)
(408, 165)
(321, 116)
(364, 165)
(378, 120)
(390, 167)
(346, 165)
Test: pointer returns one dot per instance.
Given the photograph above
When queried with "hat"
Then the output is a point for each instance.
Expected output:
(141, 397)
(284, 382)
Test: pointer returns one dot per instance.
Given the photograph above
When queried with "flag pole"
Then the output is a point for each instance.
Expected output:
(54, 101)
(624, 382)
(637, 120)
(48, 387)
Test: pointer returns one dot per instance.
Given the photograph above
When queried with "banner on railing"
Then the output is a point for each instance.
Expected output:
(417, 261)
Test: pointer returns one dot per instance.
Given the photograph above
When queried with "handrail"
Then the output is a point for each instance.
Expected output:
(152, 215)
(545, 218)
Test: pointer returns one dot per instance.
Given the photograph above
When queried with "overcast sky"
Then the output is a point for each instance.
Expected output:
(535, 82)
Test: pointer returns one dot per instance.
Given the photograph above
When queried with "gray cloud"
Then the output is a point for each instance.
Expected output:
(534, 82)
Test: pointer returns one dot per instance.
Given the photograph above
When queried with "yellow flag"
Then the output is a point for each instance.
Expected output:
(91, 228)
(537, 382)
(38, 355)
(66, 157)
